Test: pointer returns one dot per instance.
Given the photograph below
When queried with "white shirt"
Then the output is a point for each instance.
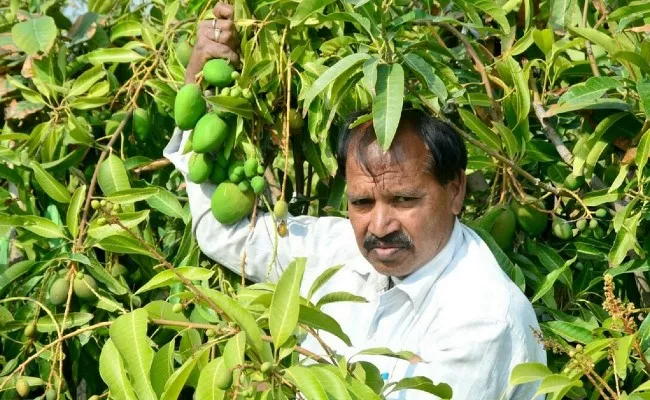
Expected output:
(460, 312)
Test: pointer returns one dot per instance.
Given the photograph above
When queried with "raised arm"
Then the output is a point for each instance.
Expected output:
(325, 241)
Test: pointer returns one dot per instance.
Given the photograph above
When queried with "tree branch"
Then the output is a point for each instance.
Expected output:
(478, 64)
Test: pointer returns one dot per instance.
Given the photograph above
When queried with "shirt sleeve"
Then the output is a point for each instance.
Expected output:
(267, 254)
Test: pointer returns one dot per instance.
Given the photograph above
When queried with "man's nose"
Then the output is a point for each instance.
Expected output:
(383, 220)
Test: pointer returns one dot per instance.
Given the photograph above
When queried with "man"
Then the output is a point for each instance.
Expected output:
(432, 285)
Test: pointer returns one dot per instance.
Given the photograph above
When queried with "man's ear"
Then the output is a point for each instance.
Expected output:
(456, 190)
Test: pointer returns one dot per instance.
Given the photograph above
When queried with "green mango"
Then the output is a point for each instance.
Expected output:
(531, 219)
(229, 204)
(189, 106)
(209, 134)
(200, 167)
(218, 72)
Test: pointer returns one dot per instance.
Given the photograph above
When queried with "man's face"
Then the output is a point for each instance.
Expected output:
(401, 216)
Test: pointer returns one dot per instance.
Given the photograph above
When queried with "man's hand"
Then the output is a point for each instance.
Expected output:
(215, 39)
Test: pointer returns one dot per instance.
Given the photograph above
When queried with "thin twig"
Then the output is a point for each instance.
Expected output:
(535, 181)
(153, 166)
(590, 53)
(93, 181)
(549, 130)
(50, 345)
(480, 67)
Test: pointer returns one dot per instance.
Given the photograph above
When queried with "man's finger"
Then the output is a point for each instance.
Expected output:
(211, 49)
(223, 11)
(228, 33)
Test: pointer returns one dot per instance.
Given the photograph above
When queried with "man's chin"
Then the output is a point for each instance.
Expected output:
(392, 262)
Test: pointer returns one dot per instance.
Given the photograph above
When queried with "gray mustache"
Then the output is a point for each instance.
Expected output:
(394, 239)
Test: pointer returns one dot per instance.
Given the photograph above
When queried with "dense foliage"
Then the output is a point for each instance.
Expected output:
(103, 288)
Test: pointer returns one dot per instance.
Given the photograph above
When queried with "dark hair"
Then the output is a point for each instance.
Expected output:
(448, 154)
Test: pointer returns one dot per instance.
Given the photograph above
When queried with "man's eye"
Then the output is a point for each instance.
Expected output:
(361, 202)
(404, 199)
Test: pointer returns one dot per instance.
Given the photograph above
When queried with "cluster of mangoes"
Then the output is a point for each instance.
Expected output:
(238, 181)
(532, 218)
(501, 221)
(83, 287)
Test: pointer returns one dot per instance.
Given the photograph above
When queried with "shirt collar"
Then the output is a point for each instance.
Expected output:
(417, 285)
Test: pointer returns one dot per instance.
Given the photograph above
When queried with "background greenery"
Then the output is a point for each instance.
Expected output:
(540, 90)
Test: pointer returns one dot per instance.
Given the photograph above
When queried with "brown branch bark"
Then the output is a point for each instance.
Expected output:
(549, 130)
(153, 166)
(93, 181)
(535, 181)
(480, 67)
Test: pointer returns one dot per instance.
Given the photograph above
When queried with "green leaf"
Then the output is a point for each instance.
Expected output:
(72, 216)
(331, 381)
(86, 80)
(111, 369)
(284, 310)
(642, 153)
(571, 331)
(544, 39)
(51, 186)
(509, 140)
(319, 320)
(100, 274)
(112, 175)
(323, 279)
(360, 390)
(342, 66)
(305, 9)
(74, 319)
(306, 382)
(386, 352)
(177, 380)
(643, 88)
(14, 272)
(622, 355)
(168, 277)
(511, 269)
(162, 367)
(123, 244)
(494, 10)
(126, 28)
(607, 42)
(634, 11)
(625, 241)
(598, 197)
(335, 297)
(159, 309)
(442, 390)
(165, 202)
(590, 90)
(548, 283)
(477, 127)
(598, 104)
(233, 352)
(528, 372)
(113, 55)
(235, 105)
(207, 388)
(130, 196)
(42, 227)
(35, 35)
(128, 220)
(555, 383)
(426, 74)
(129, 334)
(387, 104)
(238, 314)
